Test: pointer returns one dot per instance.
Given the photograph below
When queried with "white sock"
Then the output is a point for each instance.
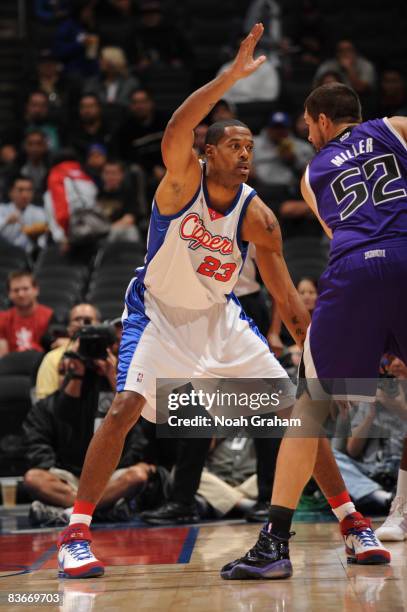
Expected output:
(68, 512)
(84, 519)
(344, 510)
(402, 484)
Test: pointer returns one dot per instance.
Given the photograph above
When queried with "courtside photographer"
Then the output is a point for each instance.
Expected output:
(58, 430)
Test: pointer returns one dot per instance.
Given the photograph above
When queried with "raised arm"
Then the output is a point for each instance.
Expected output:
(309, 198)
(183, 171)
(260, 226)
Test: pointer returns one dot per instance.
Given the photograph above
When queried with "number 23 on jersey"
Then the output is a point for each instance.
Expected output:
(214, 268)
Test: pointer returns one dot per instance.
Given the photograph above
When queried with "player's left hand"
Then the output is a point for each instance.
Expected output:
(244, 63)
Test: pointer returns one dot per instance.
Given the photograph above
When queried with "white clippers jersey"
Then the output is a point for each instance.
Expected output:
(194, 257)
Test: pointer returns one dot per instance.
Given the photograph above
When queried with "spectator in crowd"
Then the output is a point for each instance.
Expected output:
(21, 223)
(371, 457)
(58, 430)
(113, 85)
(139, 137)
(60, 89)
(156, 40)
(76, 42)
(355, 70)
(117, 200)
(279, 157)
(37, 117)
(300, 127)
(50, 374)
(222, 110)
(23, 326)
(35, 162)
(306, 32)
(263, 85)
(90, 128)
(308, 290)
(69, 189)
(268, 13)
(122, 8)
(392, 94)
(229, 482)
(8, 160)
(309, 56)
(330, 76)
(48, 10)
(95, 162)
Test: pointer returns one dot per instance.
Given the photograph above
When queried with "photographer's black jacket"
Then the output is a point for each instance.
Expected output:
(58, 430)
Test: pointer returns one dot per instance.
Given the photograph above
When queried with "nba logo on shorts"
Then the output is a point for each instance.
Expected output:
(140, 377)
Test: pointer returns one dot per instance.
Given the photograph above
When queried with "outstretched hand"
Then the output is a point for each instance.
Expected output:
(244, 63)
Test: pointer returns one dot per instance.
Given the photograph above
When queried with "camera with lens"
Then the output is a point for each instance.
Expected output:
(94, 340)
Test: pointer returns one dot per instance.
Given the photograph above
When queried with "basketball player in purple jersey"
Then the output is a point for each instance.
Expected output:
(181, 319)
(357, 187)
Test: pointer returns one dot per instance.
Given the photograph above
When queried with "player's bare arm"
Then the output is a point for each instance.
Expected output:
(261, 227)
(310, 200)
(183, 170)
(400, 125)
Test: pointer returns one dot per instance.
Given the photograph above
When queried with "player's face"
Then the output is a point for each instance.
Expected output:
(233, 155)
(315, 132)
(22, 292)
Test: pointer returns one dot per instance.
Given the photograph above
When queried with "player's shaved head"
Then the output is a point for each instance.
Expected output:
(216, 131)
(335, 100)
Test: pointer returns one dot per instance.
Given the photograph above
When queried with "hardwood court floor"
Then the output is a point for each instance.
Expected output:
(322, 580)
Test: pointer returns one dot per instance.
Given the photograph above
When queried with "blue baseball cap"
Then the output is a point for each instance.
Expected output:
(279, 119)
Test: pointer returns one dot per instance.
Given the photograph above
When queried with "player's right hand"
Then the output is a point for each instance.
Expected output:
(244, 63)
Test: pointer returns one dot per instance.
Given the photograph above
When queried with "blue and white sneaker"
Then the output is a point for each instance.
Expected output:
(362, 546)
(394, 528)
(75, 559)
(268, 559)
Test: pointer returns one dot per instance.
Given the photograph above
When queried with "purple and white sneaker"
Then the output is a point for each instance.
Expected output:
(268, 559)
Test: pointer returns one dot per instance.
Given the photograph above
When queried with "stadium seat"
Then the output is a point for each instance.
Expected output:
(25, 363)
(110, 309)
(52, 256)
(305, 246)
(15, 402)
(119, 253)
(12, 257)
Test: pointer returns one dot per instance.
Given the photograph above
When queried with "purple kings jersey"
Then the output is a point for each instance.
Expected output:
(359, 182)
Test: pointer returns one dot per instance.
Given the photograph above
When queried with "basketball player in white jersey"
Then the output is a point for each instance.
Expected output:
(181, 319)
